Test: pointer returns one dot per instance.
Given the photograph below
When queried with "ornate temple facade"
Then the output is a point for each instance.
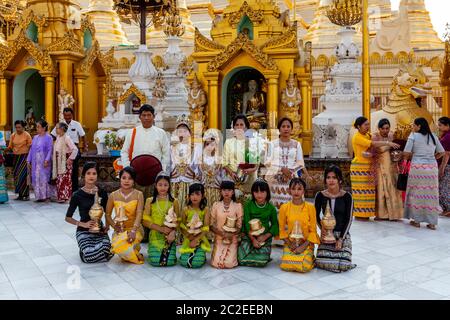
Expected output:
(52, 46)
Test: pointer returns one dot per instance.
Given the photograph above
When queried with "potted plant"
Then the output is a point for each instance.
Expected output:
(114, 144)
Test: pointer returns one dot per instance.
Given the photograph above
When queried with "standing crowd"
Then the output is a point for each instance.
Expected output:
(238, 201)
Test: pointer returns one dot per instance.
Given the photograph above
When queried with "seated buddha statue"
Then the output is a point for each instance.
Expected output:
(254, 106)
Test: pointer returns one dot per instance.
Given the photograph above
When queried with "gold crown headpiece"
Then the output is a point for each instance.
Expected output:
(183, 120)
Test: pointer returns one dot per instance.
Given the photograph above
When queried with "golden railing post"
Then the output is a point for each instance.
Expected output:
(445, 98)
(49, 98)
(272, 98)
(366, 66)
(80, 81)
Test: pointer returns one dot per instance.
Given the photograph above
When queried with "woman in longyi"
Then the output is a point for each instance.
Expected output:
(161, 216)
(128, 204)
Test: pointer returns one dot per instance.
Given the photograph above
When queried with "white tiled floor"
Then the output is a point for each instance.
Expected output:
(38, 255)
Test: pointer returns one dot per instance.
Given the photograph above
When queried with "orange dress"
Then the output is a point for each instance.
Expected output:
(224, 256)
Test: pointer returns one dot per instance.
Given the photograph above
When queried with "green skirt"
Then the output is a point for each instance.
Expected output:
(249, 256)
(166, 257)
(193, 260)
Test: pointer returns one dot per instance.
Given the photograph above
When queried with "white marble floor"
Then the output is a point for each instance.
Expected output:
(39, 260)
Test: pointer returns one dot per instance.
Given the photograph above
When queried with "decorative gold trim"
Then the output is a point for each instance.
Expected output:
(242, 42)
(86, 24)
(285, 41)
(255, 16)
(92, 54)
(132, 90)
(28, 17)
(66, 43)
(8, 53)
(203, 44)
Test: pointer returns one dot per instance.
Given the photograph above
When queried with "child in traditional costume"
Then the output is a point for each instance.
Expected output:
(161, 216)
(297, 222)
(128, 204)
(195, 226)
(226, 223)
(260, 225)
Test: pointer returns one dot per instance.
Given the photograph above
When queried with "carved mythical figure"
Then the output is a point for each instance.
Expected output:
(254, 106)
(290, 104)
(402, 109)
(65, 100)
(159, 90)
(197, 102)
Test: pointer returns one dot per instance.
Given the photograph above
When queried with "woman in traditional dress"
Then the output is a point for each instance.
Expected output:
(162, 248)
(256, 245)
(94, 246)
(195, 221)
(444, 166)
(64, 153)
(3, 189)
(128, 204)
(240, 159)
(226, 241)
(335, 257)
(422, 191)
(39, 163)
(389, 204)
(184, 170)
(19, 144)
(363, 183)
(284, 161)
(297, 221)
(210, 172)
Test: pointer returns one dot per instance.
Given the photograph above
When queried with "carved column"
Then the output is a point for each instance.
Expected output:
(213, 100)
(4, 110)
(305, 88)
(80, 82)
(272, 98)
(50, 97)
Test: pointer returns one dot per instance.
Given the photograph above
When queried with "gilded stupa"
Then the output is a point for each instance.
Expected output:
(108, 27)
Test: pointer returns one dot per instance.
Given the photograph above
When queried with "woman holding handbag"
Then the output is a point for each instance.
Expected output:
(422, 192)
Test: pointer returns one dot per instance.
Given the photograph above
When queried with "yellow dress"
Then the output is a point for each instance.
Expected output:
(363, 184)
(305, 214)
(133, 207)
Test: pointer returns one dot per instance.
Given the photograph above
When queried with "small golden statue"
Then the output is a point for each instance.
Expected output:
(65, 100)
(290, 104)
(197, 102)
(254, 106)
(96, 213)
(328, 224)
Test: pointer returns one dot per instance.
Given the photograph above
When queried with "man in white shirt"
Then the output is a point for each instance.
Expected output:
(149, 140)
(76, 134)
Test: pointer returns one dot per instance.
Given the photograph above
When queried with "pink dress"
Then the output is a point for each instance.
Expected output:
(224, 256)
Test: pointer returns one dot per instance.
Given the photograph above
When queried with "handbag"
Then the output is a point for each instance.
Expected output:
(402, 180)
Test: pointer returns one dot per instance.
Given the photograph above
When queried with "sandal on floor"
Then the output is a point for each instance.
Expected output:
(415, 224)
(431, 226)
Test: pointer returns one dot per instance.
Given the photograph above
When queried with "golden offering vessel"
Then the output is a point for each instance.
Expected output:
(171, 219)
(96, 213)
(328, 224)
(195, 225)
(296, 233)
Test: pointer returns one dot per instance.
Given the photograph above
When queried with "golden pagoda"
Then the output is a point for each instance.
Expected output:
(251, 44)
(108, 27)
(53, 47)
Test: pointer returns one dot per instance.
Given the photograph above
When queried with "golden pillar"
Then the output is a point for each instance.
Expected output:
(365, 58)
(66, 73)
(102, 95)
(445, 98)
(213, 100)
(49, 98)
(80, 82)
(305, 88)
(4, 110)
(272, 98)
